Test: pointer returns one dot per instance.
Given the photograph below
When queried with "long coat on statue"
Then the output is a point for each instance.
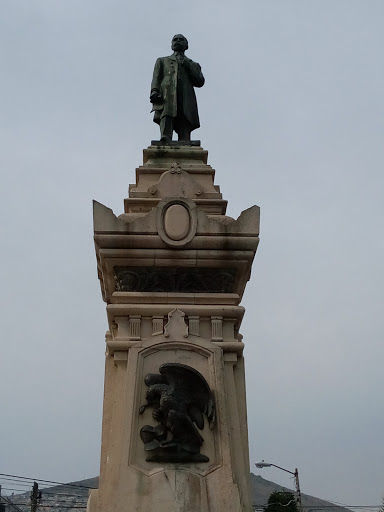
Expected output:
(175, 83)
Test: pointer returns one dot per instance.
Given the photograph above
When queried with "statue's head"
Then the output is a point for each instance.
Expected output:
(179, 43)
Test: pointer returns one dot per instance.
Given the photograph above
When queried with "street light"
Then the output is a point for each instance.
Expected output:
(295, 473)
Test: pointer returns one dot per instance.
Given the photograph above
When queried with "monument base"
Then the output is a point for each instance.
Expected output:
(176, 143)
(173, 268)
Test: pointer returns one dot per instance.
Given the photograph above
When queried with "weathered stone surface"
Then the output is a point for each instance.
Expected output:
(176, 222)
(173, 269)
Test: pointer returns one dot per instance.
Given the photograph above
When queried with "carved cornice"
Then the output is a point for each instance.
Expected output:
(177, 279)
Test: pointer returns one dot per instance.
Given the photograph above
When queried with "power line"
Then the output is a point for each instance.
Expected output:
(48, 481)
(15, 482)
(52, 494)
(44, 491)
(321, 507)
(61, 493)
(76, 502)
(5, 476)
(49, 506)
(12, 489)
(62, 506)
(9, 502)
(16, 504)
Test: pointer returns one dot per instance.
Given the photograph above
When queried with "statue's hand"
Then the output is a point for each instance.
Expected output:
(155, 97)
(188, 65)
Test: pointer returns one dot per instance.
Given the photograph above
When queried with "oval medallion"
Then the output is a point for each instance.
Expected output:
(176, 222)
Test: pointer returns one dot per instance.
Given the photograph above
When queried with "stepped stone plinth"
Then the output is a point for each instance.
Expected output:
(173, 269)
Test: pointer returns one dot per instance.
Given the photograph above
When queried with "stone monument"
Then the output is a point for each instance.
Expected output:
(173, 269)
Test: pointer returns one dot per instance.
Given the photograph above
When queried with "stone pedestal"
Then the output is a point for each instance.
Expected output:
(173, 269)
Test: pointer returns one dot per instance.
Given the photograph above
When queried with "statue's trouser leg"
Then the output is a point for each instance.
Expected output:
(184, 133)
(183, 128)
(166, 128)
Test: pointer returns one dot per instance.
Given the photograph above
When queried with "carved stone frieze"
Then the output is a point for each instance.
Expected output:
(177, 279)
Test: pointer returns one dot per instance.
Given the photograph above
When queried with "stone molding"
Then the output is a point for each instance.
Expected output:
(222, 332)
(165, 231)
(208, 362)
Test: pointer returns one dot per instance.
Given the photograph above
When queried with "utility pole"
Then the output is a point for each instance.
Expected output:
(298, 493)
(34, 496)
(2, 506)
(295, 473)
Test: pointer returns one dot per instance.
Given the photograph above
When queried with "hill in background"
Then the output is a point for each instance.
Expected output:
(73, 496)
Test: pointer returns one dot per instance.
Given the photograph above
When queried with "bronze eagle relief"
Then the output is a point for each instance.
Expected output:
(180, 397)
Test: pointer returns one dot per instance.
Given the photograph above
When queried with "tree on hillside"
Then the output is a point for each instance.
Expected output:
(281, 501)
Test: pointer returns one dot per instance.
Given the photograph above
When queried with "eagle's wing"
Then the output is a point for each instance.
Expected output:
(190, 387)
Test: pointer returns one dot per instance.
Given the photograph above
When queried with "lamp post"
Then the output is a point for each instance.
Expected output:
(295, 473)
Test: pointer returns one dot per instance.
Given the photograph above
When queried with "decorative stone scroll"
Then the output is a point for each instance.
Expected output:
(177, 279)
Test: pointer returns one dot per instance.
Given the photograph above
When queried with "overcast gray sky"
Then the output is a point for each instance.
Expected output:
(292, 115)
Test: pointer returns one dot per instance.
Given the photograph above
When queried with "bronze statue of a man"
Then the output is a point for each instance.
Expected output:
(172, 94)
